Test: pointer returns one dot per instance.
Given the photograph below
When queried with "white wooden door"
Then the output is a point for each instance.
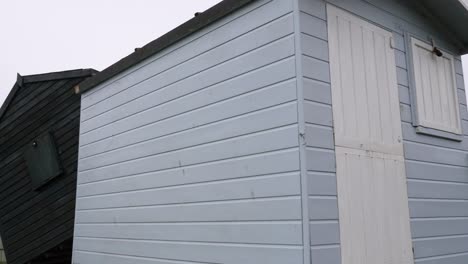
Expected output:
(372, 192)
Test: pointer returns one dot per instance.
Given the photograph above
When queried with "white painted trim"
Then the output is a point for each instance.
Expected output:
(301, 134)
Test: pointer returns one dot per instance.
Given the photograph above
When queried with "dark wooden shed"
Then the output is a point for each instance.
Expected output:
(39, 128)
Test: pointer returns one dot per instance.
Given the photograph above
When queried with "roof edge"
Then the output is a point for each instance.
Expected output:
(21, 80)
(51, 76)
(464, 4)
(193, 25)
(10, 96)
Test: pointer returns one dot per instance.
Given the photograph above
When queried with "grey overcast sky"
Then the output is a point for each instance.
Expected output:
(56, 35)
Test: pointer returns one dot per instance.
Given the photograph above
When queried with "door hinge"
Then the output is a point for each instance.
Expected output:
(392, 43)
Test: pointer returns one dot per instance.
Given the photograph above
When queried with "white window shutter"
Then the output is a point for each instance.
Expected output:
(435, 89)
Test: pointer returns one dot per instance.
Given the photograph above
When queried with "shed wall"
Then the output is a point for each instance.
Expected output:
(437, 169)
(33, 222)
(193, 155)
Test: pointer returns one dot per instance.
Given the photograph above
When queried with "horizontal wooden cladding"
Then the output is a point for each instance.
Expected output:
(330, 254)
(317, 91)
(318, 114)
(313, 8)
(316, 69)
(410, 134)
(226, 32)
(436, 172)
(320, 160)
(420, 208)
(437, 190)
(211, 116)
(319, 136)
(436, 227)
(320, 183)
(24, 103)
(440, 155)
(324, 232)
(266, 87)
(458, 66)
(285, 233)
(445, 259)
(283, 208)
(261, 164)
(266, 141)
(154, 114)
(191, 252)
(240, 167)
(314, 47)
(323, 208)
(231, 128)
(439, 246)
(165, 89)
(29, 230)
(313, 26)
(245, 188)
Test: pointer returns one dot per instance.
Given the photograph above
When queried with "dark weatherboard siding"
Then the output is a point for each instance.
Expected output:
(35, 222)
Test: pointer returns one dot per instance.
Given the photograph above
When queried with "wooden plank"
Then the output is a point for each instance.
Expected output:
(315, 69)
(427, 228)
(323, 208)
(172, 118)
(319, 136)
(318, 114)
(251, 144)
(285, 233)
(313, 26)
(317, 91)
(243, 210)
(410, 134)
(320, 183)
(314, 47)
(262, 164)
(246, 188)
(438, 172)
(199, 68)
(271, 118)
(437, 190)
(431, 247)
(198, 252)
(276, 51)
(314, 8)
(440, 155)
(324, 233)
(420, 208)
(326, 254)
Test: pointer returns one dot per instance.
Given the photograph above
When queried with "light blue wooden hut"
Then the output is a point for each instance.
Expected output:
(281, 132)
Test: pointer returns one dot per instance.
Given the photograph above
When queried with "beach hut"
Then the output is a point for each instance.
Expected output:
(281, 131)
(39, 124)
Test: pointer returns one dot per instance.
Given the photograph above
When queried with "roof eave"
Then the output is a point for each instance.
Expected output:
(195, 24)
(21, 80)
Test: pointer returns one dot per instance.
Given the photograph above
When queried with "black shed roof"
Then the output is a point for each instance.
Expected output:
(21, 80)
